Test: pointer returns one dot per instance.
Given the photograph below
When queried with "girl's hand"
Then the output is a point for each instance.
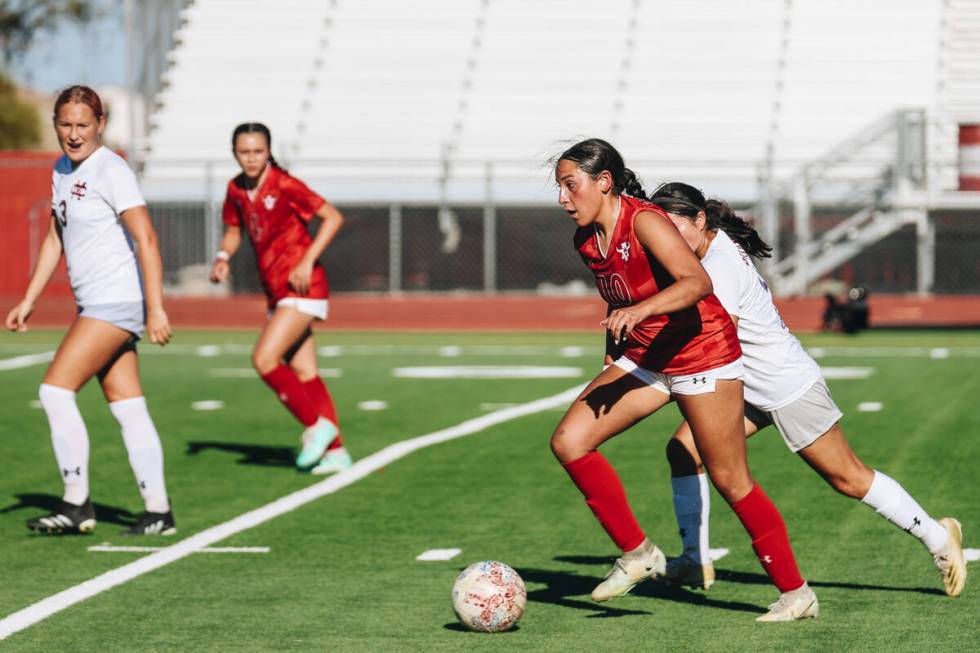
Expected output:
(621, 321)
(158, 326)
(300, 277)
(219, 271)
(17, 317)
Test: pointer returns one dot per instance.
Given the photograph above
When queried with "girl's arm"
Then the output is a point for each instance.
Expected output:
(47, 261)
(140, 228)
(332, 220)
(230, 242)
(692, 284)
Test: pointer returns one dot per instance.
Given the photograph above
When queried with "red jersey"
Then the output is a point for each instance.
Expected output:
(694, 339)
(276, 222)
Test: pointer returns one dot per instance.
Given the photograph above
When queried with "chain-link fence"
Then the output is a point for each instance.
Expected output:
(415, 248)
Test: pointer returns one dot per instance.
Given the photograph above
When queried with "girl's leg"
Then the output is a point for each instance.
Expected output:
(121, 387)
(282, 332)
(613, 402)
(692, 506)
(832, 457)
(717, 422)
(302, 360)
(86, 348)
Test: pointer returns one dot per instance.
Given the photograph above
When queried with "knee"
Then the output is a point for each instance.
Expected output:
(263, 360)
(853, 483)
(682, 459)
(567, 446)
(732, 483)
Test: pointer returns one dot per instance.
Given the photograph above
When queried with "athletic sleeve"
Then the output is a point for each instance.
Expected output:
(122, 190)
(302, 200)
(229, 210)
(725, 280)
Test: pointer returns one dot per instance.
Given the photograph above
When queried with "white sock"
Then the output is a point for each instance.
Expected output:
(891, 501)
(70, 440)
(692, 504)
(145, 452)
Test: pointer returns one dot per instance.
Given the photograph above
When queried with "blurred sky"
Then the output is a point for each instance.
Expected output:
(93, 53)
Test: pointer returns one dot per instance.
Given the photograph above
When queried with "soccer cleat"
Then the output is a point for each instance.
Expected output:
(335, 460)
(628, 571)
(950, 561)
(684, 570)
(66, 518)
(793, 606)
(153, 523)
(316, 439)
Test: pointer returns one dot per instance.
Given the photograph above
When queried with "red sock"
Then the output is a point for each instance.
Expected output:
(605, 495)
(769, 538)
(317, 391)
(290, 390)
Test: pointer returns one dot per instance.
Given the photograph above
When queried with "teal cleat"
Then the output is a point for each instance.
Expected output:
(335, 460)
(316, 439)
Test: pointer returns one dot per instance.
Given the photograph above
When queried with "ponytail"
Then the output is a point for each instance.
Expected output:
(721, 216)
(687, 201)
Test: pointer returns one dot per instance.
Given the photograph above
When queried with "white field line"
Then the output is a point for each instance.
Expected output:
(108, 548)
(971, 555)
(27, 360)
(46, 607)
(433, 555)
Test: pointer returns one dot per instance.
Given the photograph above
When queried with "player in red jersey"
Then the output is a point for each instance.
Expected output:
(274, 208)
(677, 343)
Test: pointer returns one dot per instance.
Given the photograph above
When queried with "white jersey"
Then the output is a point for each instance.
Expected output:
(777, 369)
(87, 202)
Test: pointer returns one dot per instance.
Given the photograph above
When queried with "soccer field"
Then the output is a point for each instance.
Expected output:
(339, 572)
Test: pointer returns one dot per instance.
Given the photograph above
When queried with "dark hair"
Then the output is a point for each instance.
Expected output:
(687, 201)
(82, 95)
(256, 128)
(594, 155)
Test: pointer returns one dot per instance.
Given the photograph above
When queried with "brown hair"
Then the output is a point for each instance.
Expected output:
(82, 95)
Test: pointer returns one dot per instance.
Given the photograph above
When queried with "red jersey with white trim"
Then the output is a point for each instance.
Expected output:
(694, 339)
(276, 219)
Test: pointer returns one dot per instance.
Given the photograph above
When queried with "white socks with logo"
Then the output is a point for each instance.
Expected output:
(691, 505)
(70, 440)
(145, 452)
(891, 501)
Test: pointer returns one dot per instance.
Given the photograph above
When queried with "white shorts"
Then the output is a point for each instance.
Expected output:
(317, 308)
(804, 420)
(128, 316)
(682, 384)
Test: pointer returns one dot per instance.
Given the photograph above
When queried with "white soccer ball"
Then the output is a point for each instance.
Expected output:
(489, 596)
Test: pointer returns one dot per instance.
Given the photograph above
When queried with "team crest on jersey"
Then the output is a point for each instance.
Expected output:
(624, 251)
(269, 201)
(78, 190)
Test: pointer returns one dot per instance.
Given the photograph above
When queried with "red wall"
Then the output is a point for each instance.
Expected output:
(25, 191)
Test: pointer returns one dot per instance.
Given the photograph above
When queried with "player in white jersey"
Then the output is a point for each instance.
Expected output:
(783, 387)
(97, 215)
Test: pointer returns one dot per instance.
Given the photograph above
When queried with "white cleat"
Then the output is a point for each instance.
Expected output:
(793, 606)
(630, 570)
(335, 460)
(685, 570)
(950, 561)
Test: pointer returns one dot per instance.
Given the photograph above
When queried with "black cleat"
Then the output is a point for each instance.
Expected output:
(67, 518)
(153, 523)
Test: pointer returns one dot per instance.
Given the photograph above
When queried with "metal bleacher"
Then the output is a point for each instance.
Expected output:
(767, 103)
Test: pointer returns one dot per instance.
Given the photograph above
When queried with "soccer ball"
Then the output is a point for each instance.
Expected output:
(489, 596)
